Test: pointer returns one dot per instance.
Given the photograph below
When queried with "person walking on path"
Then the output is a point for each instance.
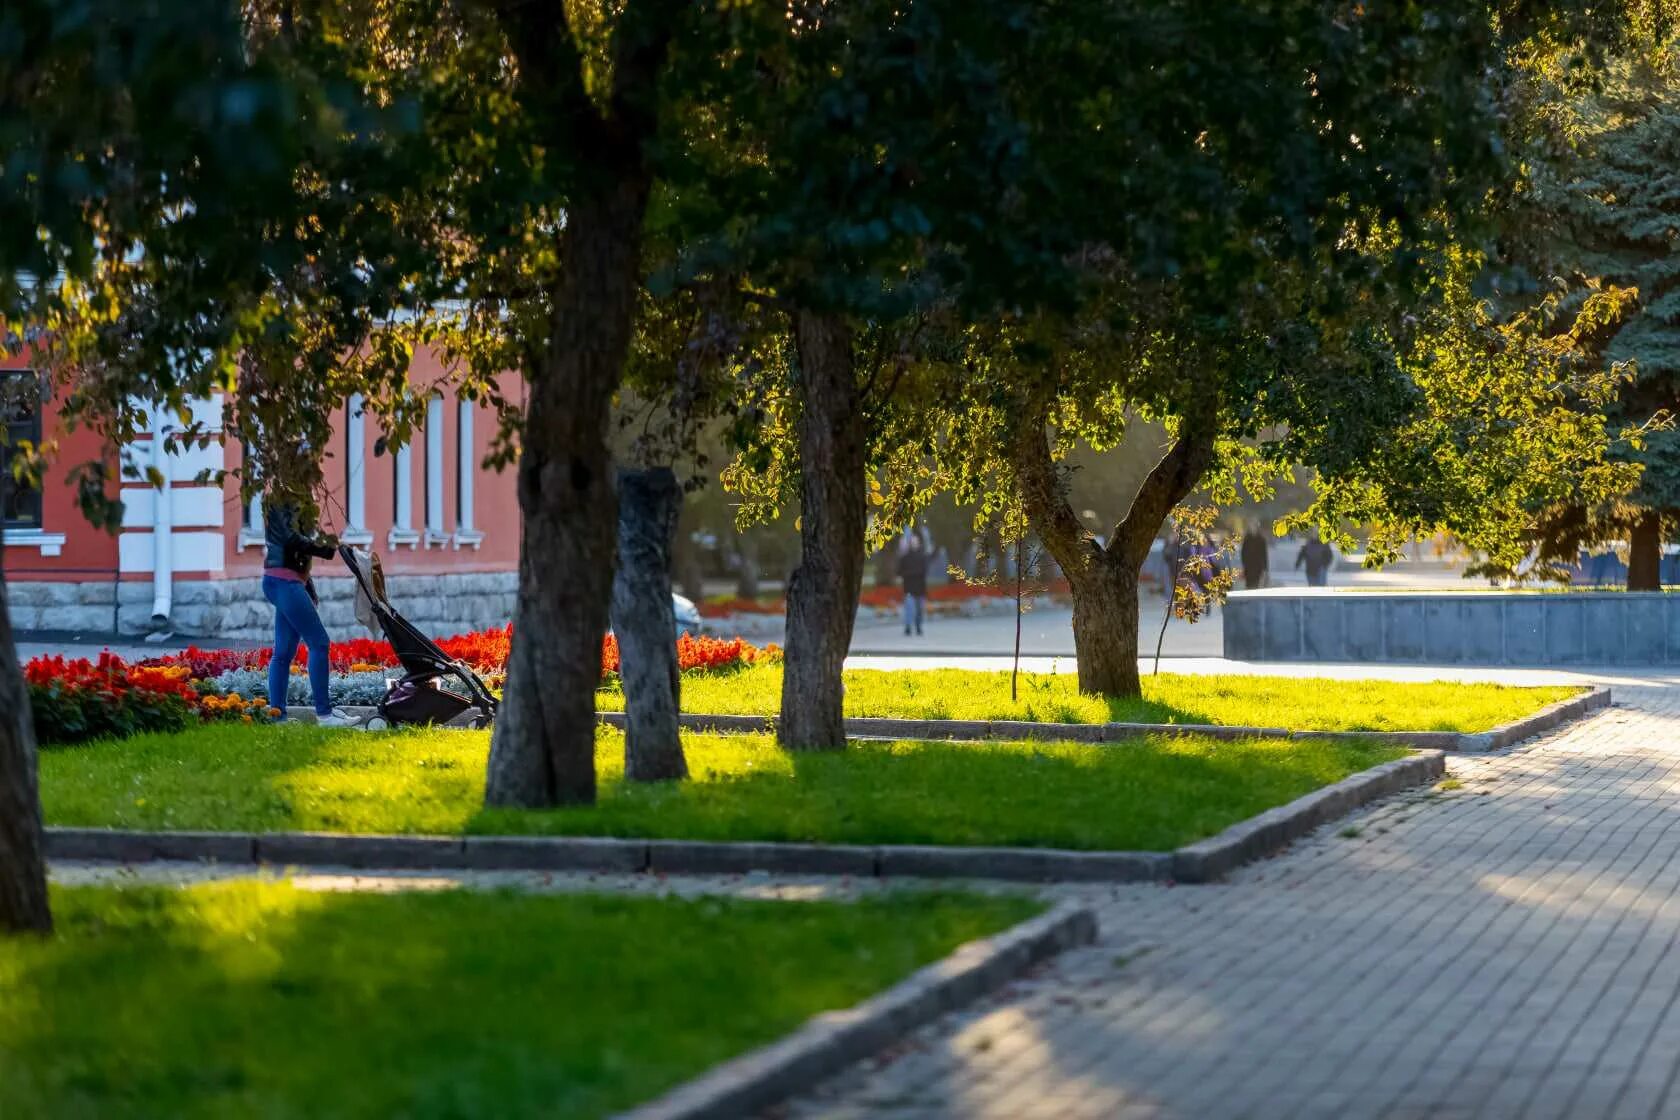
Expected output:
(1256, 558)
(1315, 556)
(287, 585)
(912, 576)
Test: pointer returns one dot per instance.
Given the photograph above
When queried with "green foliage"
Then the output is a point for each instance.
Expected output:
(1299, 704)
(265, 999)
(1598, 122)
(1151, 793)
(1510, 421)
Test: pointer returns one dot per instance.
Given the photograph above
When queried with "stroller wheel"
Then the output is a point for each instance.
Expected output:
(376, 723)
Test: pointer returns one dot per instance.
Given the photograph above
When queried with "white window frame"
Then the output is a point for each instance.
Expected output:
(466, 471)
(402, 506)
(436, 534)
(355, 474)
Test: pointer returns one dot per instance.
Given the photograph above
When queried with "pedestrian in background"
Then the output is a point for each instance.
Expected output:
(1316, 557)
(1256, 558)
(912, 576)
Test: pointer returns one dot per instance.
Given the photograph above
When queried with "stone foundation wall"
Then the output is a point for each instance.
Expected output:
(1454, 628)
(235, 610)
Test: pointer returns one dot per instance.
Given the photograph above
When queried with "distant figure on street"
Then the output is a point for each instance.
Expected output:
(1256, 558)
(1172, 559)
(1316, 557)
(286, 583)
(912, 575)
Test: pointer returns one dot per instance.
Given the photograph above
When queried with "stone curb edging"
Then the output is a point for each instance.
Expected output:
(963, 730)
(1268, 833)
(1201, 862)
(1555, 715)
(834, 1040)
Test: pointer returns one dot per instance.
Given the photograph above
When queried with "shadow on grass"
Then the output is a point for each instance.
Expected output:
(1155, 793)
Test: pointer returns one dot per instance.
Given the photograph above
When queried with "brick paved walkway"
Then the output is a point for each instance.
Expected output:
(1506, 949)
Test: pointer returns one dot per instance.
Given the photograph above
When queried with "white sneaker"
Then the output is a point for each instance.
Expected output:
(338, 717)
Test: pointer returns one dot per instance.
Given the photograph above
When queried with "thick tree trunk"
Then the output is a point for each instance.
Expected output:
(543, 750)
(649, 503)
(23, 880)
(1645, 553)
(1105, 628)
(823, 592)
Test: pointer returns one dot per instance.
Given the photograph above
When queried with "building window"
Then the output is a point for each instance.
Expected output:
(435, 531)
(466, 470)
(355, 474)
(20, 405)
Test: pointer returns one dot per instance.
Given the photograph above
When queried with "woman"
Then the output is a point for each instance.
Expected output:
(287, 585)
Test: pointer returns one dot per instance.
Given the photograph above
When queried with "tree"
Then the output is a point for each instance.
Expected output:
(1597, 116)
(109, 124)
(1245, 287)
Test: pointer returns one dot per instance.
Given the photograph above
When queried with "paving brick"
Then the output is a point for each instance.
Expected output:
(1506, 946)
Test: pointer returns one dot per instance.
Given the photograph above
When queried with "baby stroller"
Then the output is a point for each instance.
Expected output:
(435, 688)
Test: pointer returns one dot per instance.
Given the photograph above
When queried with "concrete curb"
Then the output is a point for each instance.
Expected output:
(1556, 715)
(1273, 830)
(834, 1040)
(1200, 862)
(1102, 733)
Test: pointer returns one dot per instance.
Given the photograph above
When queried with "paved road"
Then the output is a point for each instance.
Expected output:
(1506, 949)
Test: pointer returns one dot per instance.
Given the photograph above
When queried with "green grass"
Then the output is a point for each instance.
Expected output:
(263, 1000)
(1152, 793)
(1301, 704)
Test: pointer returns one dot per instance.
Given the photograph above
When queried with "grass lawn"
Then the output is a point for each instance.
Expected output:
(1153, 793)
(248, 999)
(1301, 704)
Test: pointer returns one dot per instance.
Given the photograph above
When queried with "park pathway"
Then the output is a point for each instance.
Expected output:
(1509, 948)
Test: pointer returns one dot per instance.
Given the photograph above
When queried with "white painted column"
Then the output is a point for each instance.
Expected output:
(355, 474)
(466, 468)
(436, 533)
(402, 506)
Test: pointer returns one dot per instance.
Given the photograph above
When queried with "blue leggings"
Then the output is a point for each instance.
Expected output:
(295, 617)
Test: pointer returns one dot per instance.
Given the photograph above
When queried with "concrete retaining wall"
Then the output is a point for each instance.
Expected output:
(235, 610)
(1454, 628)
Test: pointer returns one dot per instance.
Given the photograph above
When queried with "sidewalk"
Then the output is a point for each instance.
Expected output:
(1502, 949)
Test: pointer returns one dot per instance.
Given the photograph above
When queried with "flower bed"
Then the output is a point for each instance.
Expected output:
(78, 700)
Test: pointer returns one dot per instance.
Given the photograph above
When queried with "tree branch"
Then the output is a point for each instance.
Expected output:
(551, 72)
(1044, 497)
(1168, 483)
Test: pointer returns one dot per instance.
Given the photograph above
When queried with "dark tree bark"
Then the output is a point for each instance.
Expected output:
(746, 578)
(1105, 627)
(649, 503)
(1103, 579)
(23, 878)
(542, 752)
(685, 560)
(1645, 553)
(823, 592)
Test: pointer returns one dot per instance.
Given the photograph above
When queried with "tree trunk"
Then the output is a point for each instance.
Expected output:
(23, 879)
(822, 594)
(543, 750)
(1104, 578)
(685, 560)
(746, 578)
(1645, 553)
(1105, 628)
(649, 503)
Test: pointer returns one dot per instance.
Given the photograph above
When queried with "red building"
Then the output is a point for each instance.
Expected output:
(189, 558)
